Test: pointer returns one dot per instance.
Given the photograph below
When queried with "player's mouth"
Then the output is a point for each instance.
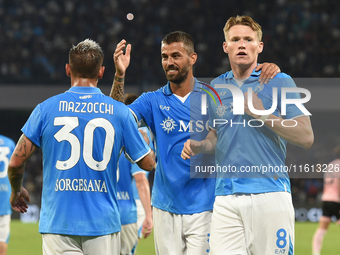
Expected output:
(241, 53)
(172, 71)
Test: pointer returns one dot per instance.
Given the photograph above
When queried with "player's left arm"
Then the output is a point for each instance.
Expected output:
(297, 131)
(143, 188)
(16, 169)
(268, 71)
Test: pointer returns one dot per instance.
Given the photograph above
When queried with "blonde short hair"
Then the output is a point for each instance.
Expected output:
(243, 20)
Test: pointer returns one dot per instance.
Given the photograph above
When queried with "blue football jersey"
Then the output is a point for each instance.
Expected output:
(81, 133)
(7, 146)
(170, 120)
(250, 157)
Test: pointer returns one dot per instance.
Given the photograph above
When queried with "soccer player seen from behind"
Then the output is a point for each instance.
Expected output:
(81, 133)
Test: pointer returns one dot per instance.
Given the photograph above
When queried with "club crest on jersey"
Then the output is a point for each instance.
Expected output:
(168, 125)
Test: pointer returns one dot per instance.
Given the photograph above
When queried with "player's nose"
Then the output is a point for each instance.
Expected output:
(170, 61)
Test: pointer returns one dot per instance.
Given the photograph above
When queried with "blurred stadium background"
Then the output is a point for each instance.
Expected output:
(301, 36)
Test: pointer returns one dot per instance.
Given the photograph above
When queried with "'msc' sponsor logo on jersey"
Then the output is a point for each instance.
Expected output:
(169, 125)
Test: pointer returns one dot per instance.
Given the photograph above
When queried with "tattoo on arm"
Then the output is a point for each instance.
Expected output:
(117, 90)
(21, 150)
(16, 176)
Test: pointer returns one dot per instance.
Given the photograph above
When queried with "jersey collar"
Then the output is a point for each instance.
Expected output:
(85, 90)
(166, 89)
(230, 74)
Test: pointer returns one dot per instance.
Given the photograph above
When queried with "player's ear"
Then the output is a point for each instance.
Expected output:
(193, 58)
(225, 48)
(101, 72)
(68, 69)
(260, 48)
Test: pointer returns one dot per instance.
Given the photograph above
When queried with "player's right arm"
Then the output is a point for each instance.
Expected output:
(148, 163)
(206, 146)
(16, 168)
(136, 149)
(142, 185)
(122, 62)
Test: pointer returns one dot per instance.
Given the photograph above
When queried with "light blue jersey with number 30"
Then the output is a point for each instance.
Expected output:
(81, 133)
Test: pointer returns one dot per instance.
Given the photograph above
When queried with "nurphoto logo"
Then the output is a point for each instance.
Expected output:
(238, 100)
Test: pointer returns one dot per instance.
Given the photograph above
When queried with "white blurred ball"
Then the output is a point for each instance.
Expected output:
(129, 16)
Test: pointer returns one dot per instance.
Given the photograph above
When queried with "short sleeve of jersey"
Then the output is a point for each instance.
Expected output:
(33, 126)
(135, 146)
(142, 108)
(283, 80)
(135, 169)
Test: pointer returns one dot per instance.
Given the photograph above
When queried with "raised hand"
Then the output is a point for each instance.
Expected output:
(122, 60)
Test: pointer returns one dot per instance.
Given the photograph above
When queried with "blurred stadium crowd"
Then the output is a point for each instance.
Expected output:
(301, 36)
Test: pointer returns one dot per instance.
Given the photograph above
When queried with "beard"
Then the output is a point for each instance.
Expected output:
(180, 76)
